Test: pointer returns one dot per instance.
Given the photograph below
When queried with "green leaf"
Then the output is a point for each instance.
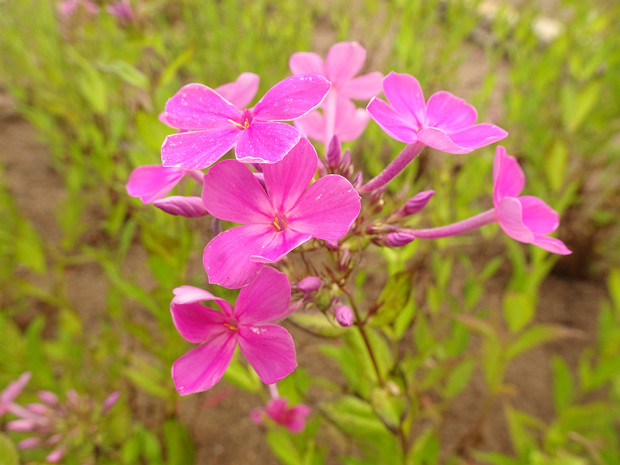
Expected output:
(283, 447)
(562, 384)
(519, 425)
(425, 450)
(317, 323)
(519, 310)
(459, 378)
(577, 104)
(179, 444)
(8, 451)
(535, 336)
(29, 249)
(127, 72)
(555, 165)
(355, 417)
(394, 298)
(242, 377)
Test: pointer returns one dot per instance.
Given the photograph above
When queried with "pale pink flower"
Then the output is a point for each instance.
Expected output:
(293, 418)
(12, 391)
(349, 122)
(524, 218)
(122, 10)
(215, 125)
(274, 221)
(444, 123)
(268, 348)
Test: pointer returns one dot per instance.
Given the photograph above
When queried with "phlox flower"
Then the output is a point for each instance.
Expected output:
(214, 125)
(268, 348)
(274, 220)
(349, 122)
(292, 418)
(524, 218)
(444, 123)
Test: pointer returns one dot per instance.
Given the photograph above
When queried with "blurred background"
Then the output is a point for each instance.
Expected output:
(86, 272)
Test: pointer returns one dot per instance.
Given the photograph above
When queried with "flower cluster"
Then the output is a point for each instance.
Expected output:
(282, 196)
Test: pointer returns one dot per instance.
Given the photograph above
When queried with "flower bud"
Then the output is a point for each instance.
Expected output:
(310, 284)
(344, 261)
(344, 316)
(48, 397)
(110, 401)
(358, 180)
(334, 151)
(417, 202)
(398, 239)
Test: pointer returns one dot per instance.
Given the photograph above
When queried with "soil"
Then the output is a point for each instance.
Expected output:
(219, 420)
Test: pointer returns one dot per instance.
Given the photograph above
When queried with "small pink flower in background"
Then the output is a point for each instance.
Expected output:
(12, 391)
(68, 8)
(268, 348)
(293, 418)
(444, 123)
(524, 218)
(215, 125)
(349, 122)
(122, 10)
(274, 221)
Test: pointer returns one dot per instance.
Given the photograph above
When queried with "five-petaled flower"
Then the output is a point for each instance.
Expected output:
(444, 123)
(524, 218)
(268, 348)
(274, 221)
(292, 418)
(214, 125)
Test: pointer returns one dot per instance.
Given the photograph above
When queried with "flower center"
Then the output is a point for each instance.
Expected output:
(231, 326)
(246, 120)
(279, 221)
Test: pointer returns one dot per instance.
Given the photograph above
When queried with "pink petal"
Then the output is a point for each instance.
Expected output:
(306, 63)
(296, 418)
(152, 182)
(266, 142)
(197, 323)
(8, 395)
(287, 179)
(241, 92)
(344, 60)
(179, 205)
(201, 368)
(539, 217)
(362, 87)
(269, 349)
(264, 300)
(450, 113)
(226, 257)
(200, 149)
(509, 216)
(551, 244)
(440, 140)
(350, 123)
(479, 135)
(508, 177)
(292, 98)
(282, 243)
(231, 192)
(393, 123)
(327, 209)
(185, 295)
(198, 107)
(312, 125)
(404, 93)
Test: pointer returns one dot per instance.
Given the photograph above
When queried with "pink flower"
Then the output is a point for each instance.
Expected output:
(269, 348)
(12, 391)
(274, 222)
(216, 125)
(444, 123)
(524, 218)
(122, 10)
(344, 60)
(293, 418)
(349, 122)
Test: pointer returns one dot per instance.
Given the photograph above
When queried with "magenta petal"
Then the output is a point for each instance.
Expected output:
(231, 192)
(510, 217)
(287, 179)
(344, 60)
(152, 182)
(201, 368)
(200, 149)
(296, 418)
(551, 244)
(350, 121)
(282, 243)
(226, 257)
(292, 98)
(439, 140)
(198, 107)
(327, 209)
(197, 323)
(362, 87)
(508, 177)
(269, 349)
(185, 295)
(189, 207)
(539, 217)
(266, 142)
(448, 112)
(241, 92)
(404, 93)
(479, 135)
(393, 123)
(306, 63)
(264, 300)
(312, 125)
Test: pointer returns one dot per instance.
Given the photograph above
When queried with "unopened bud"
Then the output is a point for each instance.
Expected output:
(110, 401)
(358, 180)
(417, 202)
(398, 239)
(310, 284)
(345, 161)
(216, 226)
(48, 397)
(334, 151)
(344, 316)
(344, 260)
